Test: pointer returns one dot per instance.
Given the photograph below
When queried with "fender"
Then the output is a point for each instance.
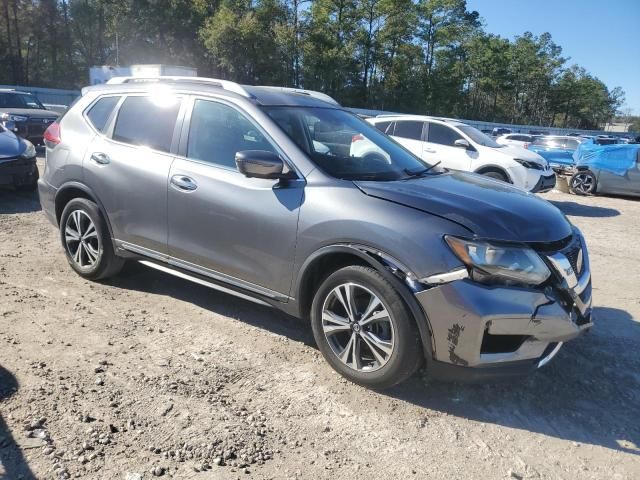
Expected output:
(400, 276)
(90, 193)
(492, 166)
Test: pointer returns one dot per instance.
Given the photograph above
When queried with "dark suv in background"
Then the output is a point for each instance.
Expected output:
(258, 192)
(24, 115)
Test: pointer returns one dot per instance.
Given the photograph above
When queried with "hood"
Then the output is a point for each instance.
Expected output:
(514, 151)
(489, 208)
(31, 112)
(10, 145)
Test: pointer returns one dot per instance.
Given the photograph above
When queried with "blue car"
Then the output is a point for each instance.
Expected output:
(556, 150)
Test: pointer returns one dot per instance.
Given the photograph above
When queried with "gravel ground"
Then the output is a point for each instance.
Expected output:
(147, 375)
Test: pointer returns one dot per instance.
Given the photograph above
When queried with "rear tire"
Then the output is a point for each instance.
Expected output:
(583, 182)
(86, 241)
(376, 344)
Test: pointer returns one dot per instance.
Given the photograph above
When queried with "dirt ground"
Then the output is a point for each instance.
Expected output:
(148, 375)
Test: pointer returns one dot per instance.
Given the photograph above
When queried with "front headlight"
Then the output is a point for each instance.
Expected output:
(529, 164)
(30, 151)
(18, 118)
(495, 263)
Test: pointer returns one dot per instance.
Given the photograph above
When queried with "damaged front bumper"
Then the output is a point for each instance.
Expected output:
(482, 331)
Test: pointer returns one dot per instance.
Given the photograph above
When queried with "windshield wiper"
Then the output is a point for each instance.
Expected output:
(419, 173)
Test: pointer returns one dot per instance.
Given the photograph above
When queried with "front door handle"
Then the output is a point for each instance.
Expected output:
(429, 150)
(100, 158)
(184, 183)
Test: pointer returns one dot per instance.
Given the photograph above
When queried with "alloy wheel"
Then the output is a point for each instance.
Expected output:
(582, 182)
(358, 327)
(81, 239)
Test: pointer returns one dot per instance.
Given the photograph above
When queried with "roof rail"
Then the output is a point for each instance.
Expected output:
(224, 84)
(311, 93)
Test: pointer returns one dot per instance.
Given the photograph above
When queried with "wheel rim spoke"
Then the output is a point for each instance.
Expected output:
(82, 240)
(362, 341)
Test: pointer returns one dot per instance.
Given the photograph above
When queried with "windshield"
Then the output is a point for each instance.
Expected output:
(478, 137)
(20, 100)
(345, 146)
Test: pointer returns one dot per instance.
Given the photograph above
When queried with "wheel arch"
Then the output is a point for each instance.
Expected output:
(493, 168)
(327, 260)
(71, 190)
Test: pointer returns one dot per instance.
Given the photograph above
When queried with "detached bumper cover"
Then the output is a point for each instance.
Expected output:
(483, 331)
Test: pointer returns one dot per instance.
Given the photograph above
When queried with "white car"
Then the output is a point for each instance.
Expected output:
(459, 146)
(518, 139)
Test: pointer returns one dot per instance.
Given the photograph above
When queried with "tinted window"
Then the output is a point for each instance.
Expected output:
(217, 132)
(20, 100)
(147, 121)
(382, 126)
(443, 135)
(409, 129)
(101, 111)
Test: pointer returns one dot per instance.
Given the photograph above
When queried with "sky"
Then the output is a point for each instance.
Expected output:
(601, 36)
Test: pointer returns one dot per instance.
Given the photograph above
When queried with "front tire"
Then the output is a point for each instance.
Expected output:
(496, 175)
(86, 241)
(364, 329)
(583, 182)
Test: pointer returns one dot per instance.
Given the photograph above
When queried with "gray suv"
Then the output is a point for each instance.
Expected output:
(257, 191)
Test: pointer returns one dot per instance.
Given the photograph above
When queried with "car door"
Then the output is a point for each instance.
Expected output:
(440, 146)
(410, 134)
(221, 223)
(627, 184)
(127, 168)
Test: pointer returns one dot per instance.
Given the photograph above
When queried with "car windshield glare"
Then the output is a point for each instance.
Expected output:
(478, 137)
(345, 146)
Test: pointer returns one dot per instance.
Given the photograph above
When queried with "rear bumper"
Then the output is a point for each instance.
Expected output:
(481, 332)
(18, 172)
(545, 184)
(47, 195)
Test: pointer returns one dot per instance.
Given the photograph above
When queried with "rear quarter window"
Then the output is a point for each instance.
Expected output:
(100, 112)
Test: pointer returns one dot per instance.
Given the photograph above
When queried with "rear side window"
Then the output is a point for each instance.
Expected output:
(443, 135)
(382, 126)
(409, 129)
(147, 122)
(100, 112)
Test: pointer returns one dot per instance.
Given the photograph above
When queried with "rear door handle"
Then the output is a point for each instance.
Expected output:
(429, 150)
(184, 183)
(100, 158)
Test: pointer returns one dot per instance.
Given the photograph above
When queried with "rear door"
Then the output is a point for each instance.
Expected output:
(440, 146)
(222, 223)
(128, 168)
(410, 134)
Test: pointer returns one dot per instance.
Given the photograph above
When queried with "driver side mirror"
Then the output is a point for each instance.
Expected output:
(260, 164)
(462, 143)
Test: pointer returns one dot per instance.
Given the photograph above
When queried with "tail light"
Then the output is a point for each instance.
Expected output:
(52, 135)
(357, 138)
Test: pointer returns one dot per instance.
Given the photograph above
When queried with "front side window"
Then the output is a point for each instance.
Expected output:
(409, 129)
(383, 126)
(218, 131)
(100, 112)
(147, 121)
(443, 135)
(345, 146)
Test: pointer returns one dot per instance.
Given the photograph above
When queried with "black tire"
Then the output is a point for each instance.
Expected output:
(583, 182)
(496, 174)
(406, 355)
(106, 263)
